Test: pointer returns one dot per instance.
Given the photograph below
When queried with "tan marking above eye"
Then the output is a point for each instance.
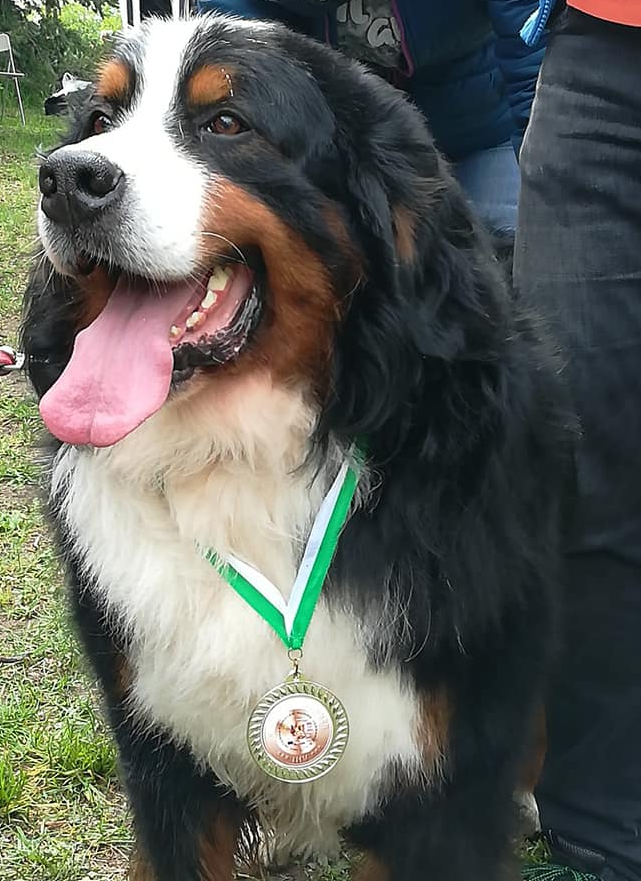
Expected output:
(208, 85)
(114, 81)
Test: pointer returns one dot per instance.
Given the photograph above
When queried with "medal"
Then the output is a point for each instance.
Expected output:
(298, 730)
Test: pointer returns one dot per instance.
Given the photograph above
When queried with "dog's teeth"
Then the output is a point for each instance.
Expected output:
(218, 279)
(175, 332)
(194, 320)
(209, 300)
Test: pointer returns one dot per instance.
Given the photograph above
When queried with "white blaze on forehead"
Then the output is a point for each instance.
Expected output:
(165, 186)
(164, 45)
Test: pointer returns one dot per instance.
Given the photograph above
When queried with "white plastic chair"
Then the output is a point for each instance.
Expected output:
(130, 11)
(10, 72)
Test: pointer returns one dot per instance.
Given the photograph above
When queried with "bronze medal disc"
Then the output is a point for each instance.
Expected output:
(298, 731)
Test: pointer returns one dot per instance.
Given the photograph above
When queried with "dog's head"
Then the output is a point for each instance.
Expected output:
(238, 198)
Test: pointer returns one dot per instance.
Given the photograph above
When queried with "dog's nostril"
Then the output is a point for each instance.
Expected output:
(47, 181)
(98, 180)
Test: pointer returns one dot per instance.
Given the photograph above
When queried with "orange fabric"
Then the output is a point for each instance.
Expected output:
(620, 11)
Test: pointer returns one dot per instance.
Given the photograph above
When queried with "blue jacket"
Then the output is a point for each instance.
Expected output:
(533, 31)
(465, 63)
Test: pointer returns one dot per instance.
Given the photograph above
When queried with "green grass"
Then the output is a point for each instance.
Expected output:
(62, 817)
(18, 174)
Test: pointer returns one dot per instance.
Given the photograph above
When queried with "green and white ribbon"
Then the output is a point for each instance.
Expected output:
(290, 619)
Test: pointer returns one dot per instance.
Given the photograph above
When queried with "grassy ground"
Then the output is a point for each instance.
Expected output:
(62, 817)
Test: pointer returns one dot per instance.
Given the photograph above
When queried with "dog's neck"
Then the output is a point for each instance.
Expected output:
(228, 469)
(247, 426)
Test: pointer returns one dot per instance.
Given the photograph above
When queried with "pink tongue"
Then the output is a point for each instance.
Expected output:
(120, 369)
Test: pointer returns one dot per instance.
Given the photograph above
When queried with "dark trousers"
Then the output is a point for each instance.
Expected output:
(578, 260)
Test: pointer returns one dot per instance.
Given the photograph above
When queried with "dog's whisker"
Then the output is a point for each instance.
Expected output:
(228, 258)
(229, 242)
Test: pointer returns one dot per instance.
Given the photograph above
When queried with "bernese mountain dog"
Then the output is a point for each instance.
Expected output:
(258, 268)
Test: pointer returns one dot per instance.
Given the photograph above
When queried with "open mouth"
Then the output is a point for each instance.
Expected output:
(217, 323)
(215, 314)
(150, 337)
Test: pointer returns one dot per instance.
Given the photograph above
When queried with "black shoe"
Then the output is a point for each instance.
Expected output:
(553, 872)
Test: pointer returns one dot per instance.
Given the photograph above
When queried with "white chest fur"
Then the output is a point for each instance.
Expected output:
(201, 656)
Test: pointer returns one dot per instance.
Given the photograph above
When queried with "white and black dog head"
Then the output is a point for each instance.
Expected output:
(237, 198)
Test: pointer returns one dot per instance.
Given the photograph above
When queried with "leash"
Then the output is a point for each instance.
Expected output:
(10, 360)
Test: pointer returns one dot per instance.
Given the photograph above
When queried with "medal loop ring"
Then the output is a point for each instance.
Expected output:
(295, 656)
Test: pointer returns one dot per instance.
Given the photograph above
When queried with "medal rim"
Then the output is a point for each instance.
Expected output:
(320, 766)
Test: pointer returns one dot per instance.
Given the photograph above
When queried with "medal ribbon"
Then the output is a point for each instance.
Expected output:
(290, 620)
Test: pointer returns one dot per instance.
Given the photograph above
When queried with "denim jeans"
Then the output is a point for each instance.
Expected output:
(491, 181)
(578, 259)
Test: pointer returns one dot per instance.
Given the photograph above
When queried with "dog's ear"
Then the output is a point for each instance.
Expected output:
(432, 302)
(50, 315)
(52, 302)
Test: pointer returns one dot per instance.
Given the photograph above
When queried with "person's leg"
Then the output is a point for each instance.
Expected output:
(578, 259)
(491, 181)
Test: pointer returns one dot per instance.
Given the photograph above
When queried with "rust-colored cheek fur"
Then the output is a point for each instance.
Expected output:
(95, 288)
(295, 337)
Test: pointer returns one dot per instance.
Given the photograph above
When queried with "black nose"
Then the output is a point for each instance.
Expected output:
(76, 187)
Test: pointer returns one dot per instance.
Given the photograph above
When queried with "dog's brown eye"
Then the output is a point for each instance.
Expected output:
(225, 124)
(100, 124)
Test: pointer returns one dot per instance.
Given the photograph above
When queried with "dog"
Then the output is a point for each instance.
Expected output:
(259, 270)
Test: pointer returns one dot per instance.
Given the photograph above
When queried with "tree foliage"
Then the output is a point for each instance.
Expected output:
(50, 37)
